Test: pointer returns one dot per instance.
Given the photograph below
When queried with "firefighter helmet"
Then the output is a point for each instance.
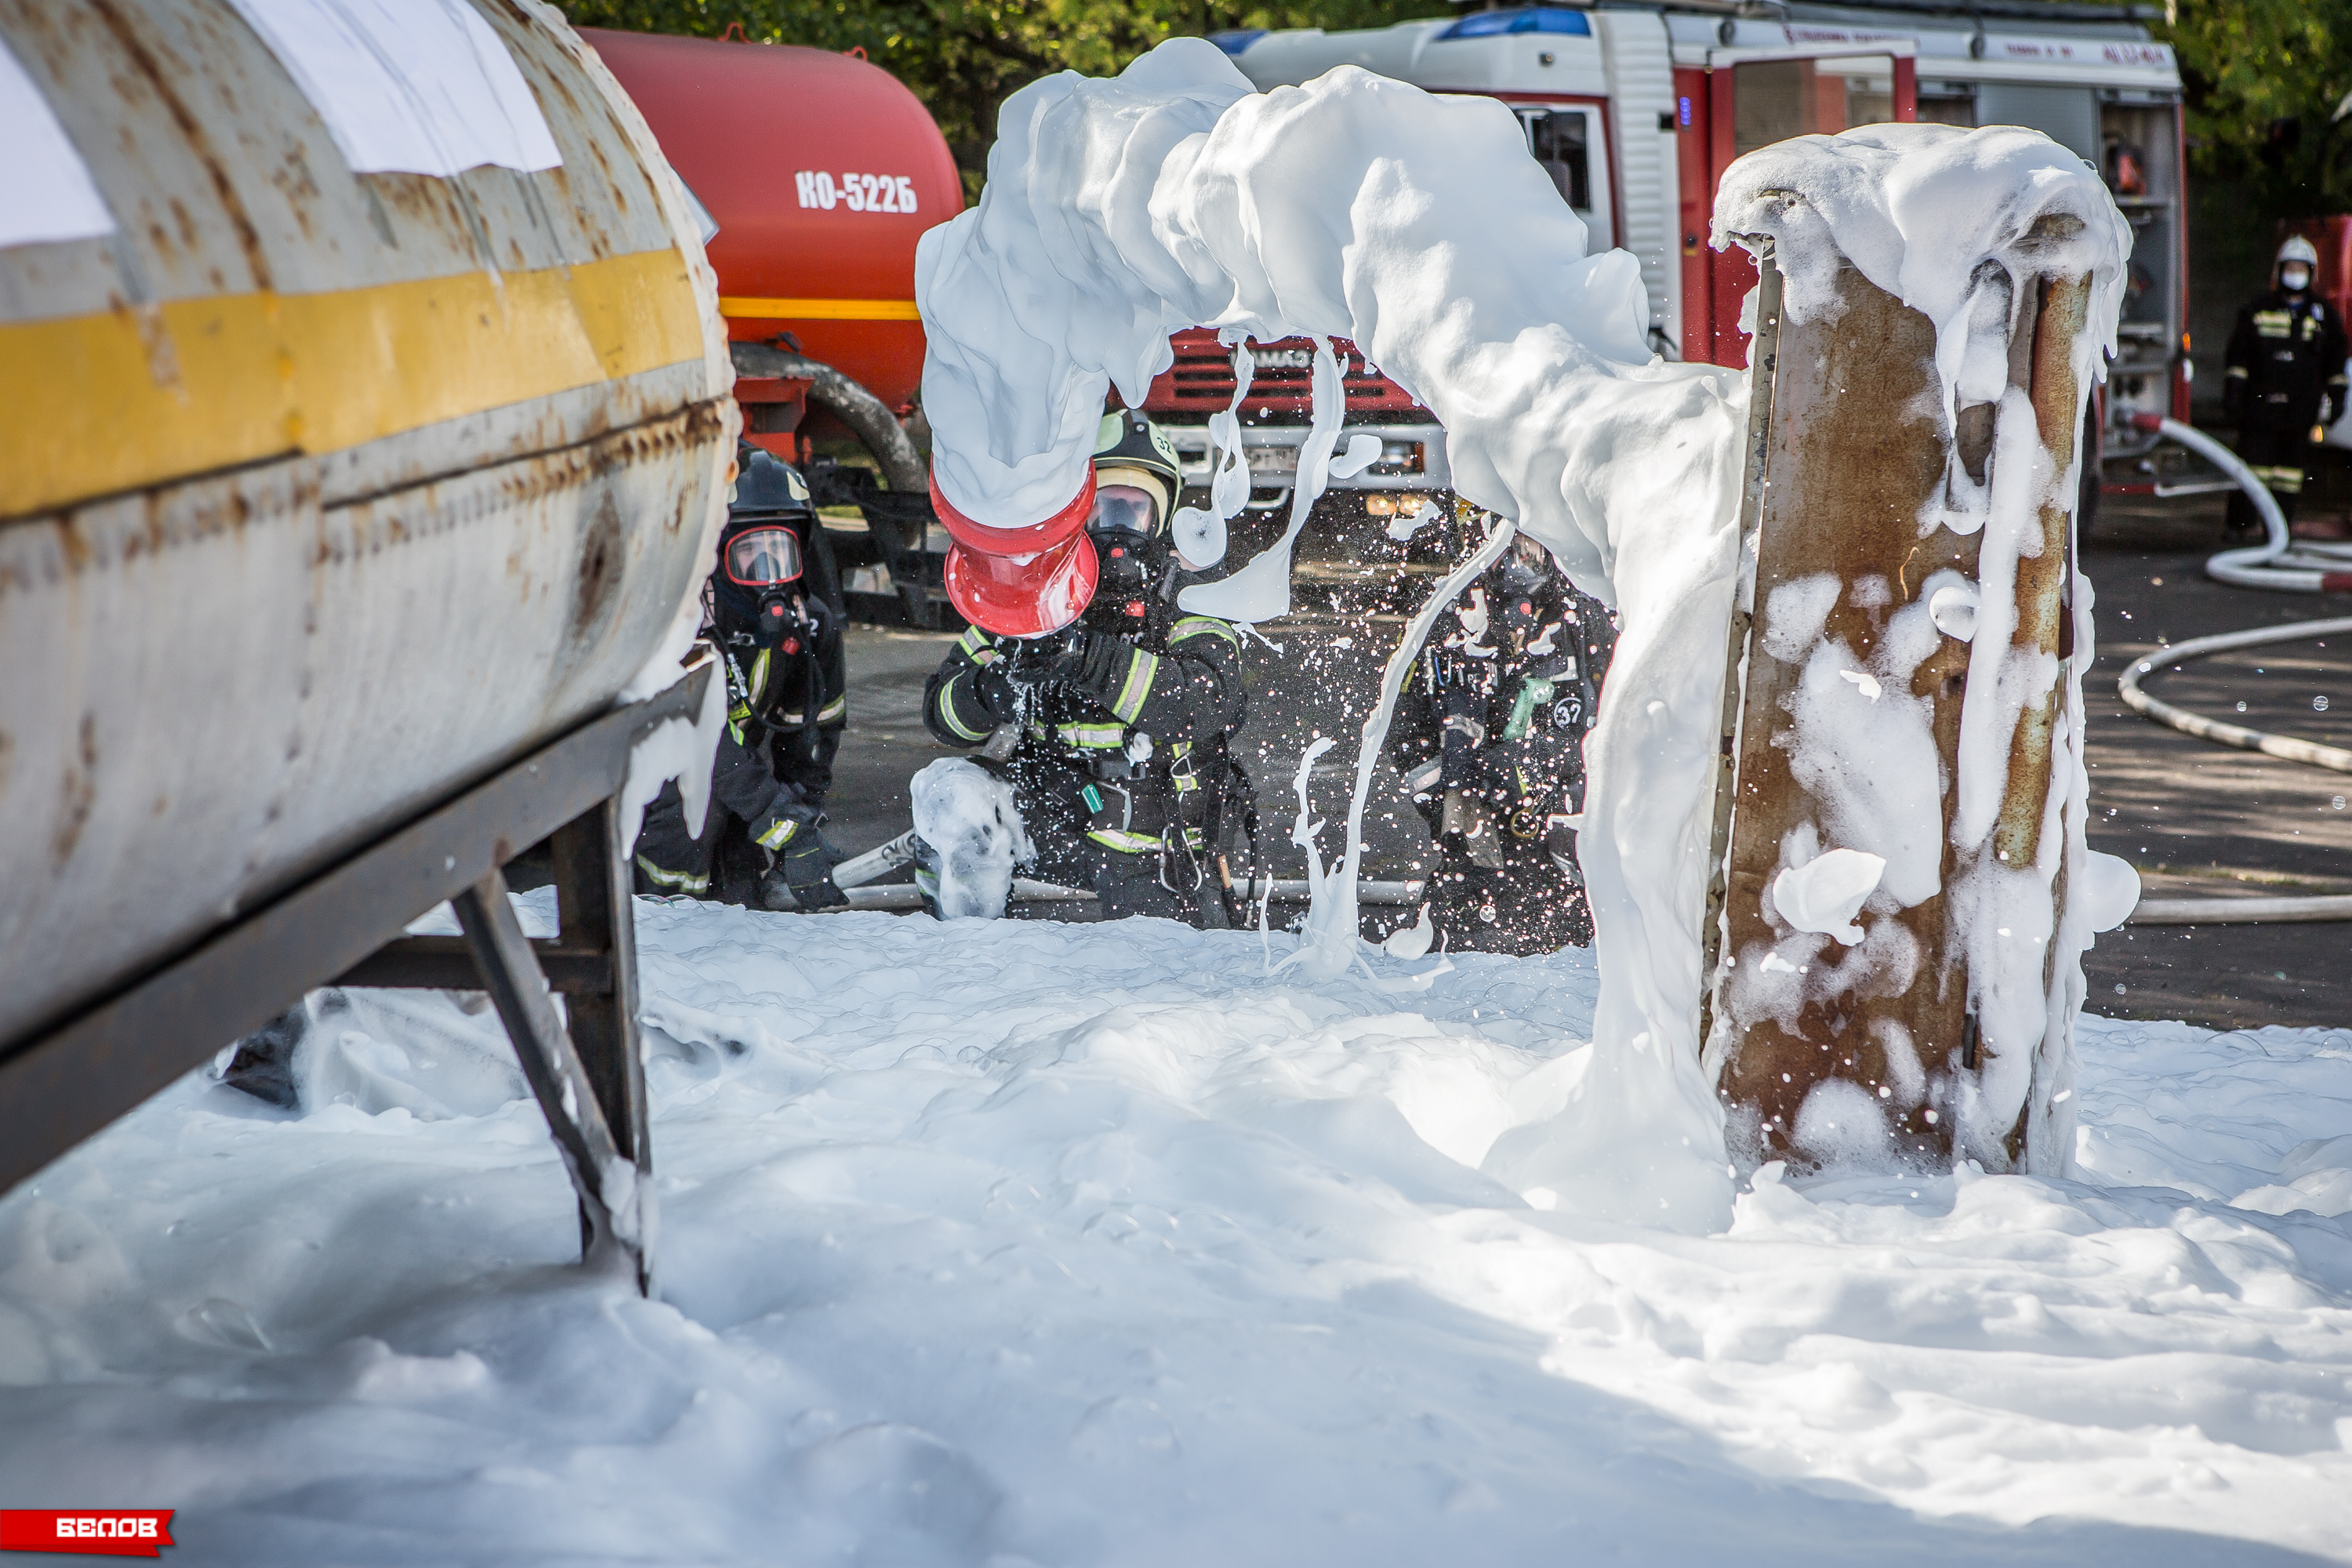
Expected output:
(766, 487)
(1136, 475)
(2297, 248)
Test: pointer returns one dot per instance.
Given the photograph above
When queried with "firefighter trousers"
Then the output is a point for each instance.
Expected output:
(720, 863)
(1126, 882)
(2277, 453)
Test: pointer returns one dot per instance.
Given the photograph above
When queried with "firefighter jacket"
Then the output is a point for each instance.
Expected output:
(1139, 736)
(1496, 711)
(766, 691)
(2286, 357)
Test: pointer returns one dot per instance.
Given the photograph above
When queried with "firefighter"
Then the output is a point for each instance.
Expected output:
(1489, 737)
(776, 626)
(1110, 716)
(2285, 375)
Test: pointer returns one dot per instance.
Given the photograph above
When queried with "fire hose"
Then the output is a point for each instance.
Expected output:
(2279, 562)
(855, 876)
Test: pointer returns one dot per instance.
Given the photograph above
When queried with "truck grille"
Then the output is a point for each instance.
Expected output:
(1200, 382)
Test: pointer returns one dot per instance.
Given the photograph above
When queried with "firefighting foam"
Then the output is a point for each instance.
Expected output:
(1026, 1242)
(1356, 206)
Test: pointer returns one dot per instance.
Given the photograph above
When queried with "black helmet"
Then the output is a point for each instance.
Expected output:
(1136, 477)
(767, 486)
(763, 549)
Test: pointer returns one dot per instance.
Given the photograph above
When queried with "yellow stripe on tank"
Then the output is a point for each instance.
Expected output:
(122, 399)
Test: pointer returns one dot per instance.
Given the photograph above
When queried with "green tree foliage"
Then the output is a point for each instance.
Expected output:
(2267, 86)
(962, 58)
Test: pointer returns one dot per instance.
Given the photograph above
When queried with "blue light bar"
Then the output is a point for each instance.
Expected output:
(1529, 19)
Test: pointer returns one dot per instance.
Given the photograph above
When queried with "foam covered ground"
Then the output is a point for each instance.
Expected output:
(1003, 1243)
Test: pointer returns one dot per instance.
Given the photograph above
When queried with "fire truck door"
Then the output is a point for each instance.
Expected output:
(1747, 98)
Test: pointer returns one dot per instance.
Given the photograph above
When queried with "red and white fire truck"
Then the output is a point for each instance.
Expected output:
(1636, 112)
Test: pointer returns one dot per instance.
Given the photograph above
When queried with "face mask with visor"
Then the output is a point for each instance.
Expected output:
(761, 557)
(762, 566)
(1124, 510)
(1125, 521)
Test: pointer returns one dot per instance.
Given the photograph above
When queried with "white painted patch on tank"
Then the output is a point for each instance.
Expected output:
(49, 195)
(414, 87)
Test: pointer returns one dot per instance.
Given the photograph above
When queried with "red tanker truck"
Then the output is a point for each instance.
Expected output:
(818, 171)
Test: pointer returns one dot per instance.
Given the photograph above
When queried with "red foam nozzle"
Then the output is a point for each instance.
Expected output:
(1024, 581)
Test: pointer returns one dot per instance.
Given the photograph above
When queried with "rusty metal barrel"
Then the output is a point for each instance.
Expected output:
(364, 416)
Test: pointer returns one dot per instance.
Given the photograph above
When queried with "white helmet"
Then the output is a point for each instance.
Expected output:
(2297, 248)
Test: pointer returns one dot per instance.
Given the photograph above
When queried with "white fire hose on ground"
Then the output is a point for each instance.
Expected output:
(855, 876)
(2279, 562)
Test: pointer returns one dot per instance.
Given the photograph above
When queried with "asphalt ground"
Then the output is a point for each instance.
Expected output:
(2205, 821)
(2198, 820)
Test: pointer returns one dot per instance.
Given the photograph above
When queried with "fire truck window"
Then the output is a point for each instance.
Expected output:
(1558, 141)
(1772, 100)
(1946, 111)
(2067, 115)
(1775, 100)
(1869, 100)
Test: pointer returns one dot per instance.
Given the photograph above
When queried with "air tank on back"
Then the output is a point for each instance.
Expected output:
(821, 171)
(364, 423)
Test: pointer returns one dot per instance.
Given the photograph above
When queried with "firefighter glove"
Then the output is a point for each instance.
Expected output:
(807, 863)
(1098, 664)
(994, 689)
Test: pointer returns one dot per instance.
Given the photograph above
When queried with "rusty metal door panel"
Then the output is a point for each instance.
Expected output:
(1854, 455)
(1855, 460)
(330, 492)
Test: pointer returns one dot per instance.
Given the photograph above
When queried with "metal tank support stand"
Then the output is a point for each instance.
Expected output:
(69, 1079)
(584, 1067)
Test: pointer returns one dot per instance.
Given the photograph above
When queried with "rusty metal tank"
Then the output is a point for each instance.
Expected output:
(364, 419)
(821, 170)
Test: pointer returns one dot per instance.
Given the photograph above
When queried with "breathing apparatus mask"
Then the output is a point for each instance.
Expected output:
(760, 594)
(758, 586)
(1127, 529)
(1136, 480)
(1519, 597)
(1525, 571)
